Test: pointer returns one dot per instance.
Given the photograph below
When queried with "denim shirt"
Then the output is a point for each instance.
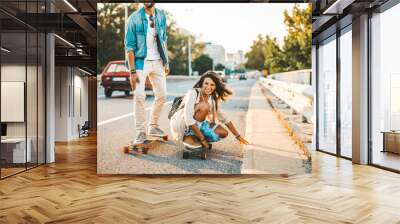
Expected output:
(135, 37)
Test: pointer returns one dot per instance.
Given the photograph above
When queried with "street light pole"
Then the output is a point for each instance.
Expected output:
(189, 56)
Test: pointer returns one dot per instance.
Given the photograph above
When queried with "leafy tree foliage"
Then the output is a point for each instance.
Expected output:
(266, 54)
(202, 64)
(219, 67)
(110, 32)
(110, 36)
(255, 57)
(297, 44)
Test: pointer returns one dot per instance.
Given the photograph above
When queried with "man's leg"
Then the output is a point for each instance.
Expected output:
(139, 97)
(158, 81)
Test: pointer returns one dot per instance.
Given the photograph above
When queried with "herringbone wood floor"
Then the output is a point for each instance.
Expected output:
(69, 191)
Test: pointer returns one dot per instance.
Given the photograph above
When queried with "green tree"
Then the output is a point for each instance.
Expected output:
(202, 64)
(297, 43)
(178, 48)
(274, 61)
(219, 67)
(295, 54)
(255, 57)
(110, 32)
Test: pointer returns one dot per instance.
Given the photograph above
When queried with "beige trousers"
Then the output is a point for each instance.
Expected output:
(155, 71)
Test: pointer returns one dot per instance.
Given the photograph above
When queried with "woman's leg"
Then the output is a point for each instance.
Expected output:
(191, 140)
(201, 111)
(221, 132)
(200, 114)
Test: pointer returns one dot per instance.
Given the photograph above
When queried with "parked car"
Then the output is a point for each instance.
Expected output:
(242, 76)
(115, 77)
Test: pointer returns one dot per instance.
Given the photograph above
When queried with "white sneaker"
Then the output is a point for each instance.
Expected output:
(140, 138)
(155, 131)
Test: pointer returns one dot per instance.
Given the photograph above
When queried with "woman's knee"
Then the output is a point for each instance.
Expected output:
(221, 132)
(201, 111)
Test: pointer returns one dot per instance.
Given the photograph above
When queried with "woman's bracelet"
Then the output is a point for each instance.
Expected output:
(237, 136)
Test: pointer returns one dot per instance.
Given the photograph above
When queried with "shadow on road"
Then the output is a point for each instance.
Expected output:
(217, 161)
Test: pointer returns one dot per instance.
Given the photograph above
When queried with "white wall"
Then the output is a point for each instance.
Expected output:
(62, 80)
(71, 102)
(33, 126)
(14, 73)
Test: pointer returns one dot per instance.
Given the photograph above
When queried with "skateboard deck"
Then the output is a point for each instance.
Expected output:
(199, 151)
(145, 146)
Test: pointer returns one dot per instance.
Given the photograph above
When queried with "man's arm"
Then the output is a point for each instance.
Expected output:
(166, 46)
(132, 70)
(167, 65)
(130, 45)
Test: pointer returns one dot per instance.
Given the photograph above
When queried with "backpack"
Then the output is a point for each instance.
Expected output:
(177, 104)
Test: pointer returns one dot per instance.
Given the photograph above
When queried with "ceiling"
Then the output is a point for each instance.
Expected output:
(74, 22)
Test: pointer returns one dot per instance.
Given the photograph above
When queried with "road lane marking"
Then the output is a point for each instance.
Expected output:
(124, 116)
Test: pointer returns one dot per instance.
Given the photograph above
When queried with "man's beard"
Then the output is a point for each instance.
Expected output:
(149, 5)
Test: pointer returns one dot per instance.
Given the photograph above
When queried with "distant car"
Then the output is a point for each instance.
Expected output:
(115, 77)
(242, 77)
(222, 75)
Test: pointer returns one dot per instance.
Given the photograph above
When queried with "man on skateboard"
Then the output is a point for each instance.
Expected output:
(147, 55)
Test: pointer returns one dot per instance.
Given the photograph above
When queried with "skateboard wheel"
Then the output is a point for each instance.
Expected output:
(165, 138)
(185, 155)
(203, 155)
(145, 150)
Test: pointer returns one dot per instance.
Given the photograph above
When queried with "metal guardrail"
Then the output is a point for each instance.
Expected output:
(299, 97)
(298, 76)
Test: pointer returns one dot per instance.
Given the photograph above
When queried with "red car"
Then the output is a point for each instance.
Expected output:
(115, 77)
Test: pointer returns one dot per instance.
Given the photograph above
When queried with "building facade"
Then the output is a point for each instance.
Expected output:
(215, 52)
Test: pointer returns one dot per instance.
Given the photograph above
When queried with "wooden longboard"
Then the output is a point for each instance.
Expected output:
(145, 146)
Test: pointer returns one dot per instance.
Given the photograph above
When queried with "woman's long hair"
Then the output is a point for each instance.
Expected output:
(220, 92)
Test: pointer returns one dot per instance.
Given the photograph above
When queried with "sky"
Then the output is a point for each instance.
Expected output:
(232, 25)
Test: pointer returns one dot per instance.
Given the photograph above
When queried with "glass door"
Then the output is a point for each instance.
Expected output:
(327, 95)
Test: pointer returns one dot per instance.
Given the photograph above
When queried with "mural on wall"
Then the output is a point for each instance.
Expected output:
(181, 88)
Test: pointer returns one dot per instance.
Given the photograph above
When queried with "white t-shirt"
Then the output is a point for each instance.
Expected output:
(152, 51)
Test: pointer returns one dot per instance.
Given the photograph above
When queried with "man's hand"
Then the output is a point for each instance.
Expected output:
(134, 78)
(166, 69)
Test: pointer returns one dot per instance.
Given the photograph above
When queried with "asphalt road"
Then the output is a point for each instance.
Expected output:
(116, 119)
(122, 104)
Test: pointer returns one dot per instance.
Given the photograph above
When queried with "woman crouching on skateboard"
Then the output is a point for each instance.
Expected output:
(198, 120)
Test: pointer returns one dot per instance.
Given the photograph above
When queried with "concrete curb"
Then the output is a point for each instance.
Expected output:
(271, 149)
(248, 159)
(289, 128)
